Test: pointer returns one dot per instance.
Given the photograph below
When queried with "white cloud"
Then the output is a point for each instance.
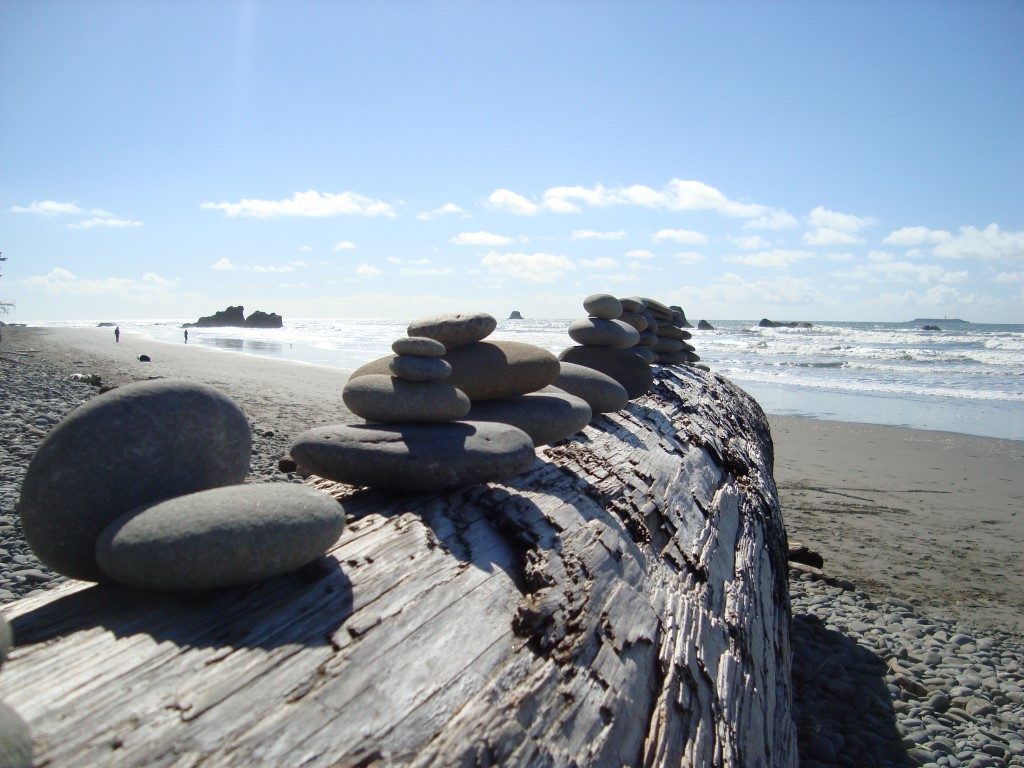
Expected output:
(63, 282)
(689, 257)
(750, 242)
(987, 244)
(774, 219)
(344, 245)
(679, 236)
(936, 298)
(425, 272)
(224, 265)
(533, 267)
(834, 228)
(507, 200)
(732, 289)
(97, 217)
(881, 256)
(827, 236)
(676, 195)
(640, 254)
(49, 208)
(883, 270)
(916, 236)
(839, 256)
(1010, 277)
(306, 248)
(367, 270)
(775, 259)
(480, 238)
(448, 209)
(394, 260)
(306, 204)
(620, 278)
(590, 234)
(602, 262)
(822, 218)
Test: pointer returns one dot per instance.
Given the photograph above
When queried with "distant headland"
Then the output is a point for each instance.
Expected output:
(934, 320)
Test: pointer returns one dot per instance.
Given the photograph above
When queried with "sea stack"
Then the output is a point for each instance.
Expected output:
(607, 344)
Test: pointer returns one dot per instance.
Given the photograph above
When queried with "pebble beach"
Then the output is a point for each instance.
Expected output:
(907, 646)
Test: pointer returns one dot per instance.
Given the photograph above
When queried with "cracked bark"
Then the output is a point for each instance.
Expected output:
(622, 603)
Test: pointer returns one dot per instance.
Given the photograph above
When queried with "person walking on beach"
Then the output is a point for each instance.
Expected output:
(117, 334)
(186, 335)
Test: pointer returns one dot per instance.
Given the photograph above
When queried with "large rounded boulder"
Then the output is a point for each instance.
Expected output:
(124, 449)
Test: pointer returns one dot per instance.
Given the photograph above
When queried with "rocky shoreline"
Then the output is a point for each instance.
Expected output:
(875, 683)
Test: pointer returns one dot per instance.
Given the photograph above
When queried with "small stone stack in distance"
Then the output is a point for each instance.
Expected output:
(607, 344)
(415, 399)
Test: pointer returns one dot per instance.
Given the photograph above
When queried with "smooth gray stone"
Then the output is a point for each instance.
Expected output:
(489, 370)
(671, 332)
(413, 368)
(126, 448)
(667, 345)
(6, 640)
(648, 354)
(673, 358)
(420, 346)
(383, 398)
(647, 339)
(415, 457)
(692, 358)
(634, 319)
(602, 393)
(603, 305)
(546, 416)
(688, 347)
(632, 304)
(596, 332)
(454, 330)
(623, 365)
(652, 322)
(15, 739)
(220, 538)
(659, 310)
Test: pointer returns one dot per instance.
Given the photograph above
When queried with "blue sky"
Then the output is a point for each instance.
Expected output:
(858, 161)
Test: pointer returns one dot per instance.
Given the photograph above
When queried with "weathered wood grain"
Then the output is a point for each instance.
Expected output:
(622, 603)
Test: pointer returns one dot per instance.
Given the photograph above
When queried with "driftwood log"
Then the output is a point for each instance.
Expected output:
(623, 603)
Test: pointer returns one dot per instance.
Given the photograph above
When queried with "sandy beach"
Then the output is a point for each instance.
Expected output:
(932, 518)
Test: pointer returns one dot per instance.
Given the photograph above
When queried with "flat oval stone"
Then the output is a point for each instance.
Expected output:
(673, 358)
(671, 332)
(595, 332)
(633, 304)
(546, 416)
(602, 393)
(634, 319)
(667, 345)
(415, 457)
(647, 339)
(220, 538)
(623, 365)
(413, 368)
(454, 330)
(658, 309)
(420, 346)
(15, 739)
(603, 305)
(377, 397)
(648, 354)
(652, 323)
(126, 448)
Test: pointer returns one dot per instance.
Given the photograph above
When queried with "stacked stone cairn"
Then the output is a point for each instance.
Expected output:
(448, 409)
(609, 340)
(142, 485)
(15, 738)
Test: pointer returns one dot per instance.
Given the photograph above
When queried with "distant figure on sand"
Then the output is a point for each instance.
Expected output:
(117, 334)
(186, 335)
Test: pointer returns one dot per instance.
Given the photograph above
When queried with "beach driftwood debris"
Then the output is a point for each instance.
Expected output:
(622, 602)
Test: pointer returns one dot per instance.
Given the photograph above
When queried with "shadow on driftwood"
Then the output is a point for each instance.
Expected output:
(305, 607)
(841, 701)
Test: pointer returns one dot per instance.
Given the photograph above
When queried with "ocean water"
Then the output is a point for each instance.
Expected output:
(966, 378)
